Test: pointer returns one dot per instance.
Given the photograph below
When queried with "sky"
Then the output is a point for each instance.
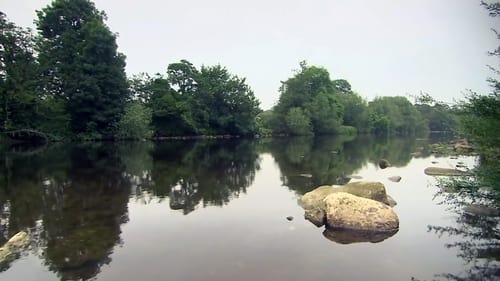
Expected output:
(382, 47)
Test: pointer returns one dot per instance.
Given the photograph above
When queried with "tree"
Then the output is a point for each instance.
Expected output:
(317, 97)
(394, 115)
(136, 122)
(172, 112)
(297, 122)
(229, 102)
(80, 64)
(355, 111)
(188, 101)
(18, 77)
(183, 75)
(480, 118)
(342, 86)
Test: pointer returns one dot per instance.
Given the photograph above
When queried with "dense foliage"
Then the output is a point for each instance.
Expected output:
(18, 72)
(312, 103)
(69, 82)
(80, 64)
(480, 120)
(188, 101)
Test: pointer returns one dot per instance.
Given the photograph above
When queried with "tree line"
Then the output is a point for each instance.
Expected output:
(68, 80)
(311, 103)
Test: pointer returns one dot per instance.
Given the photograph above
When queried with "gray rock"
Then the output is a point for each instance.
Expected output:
(395, 178)
(435, 171)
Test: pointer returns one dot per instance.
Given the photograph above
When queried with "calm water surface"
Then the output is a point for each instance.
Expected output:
(216, 210)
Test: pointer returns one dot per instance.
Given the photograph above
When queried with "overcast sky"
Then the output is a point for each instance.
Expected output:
(382, 47)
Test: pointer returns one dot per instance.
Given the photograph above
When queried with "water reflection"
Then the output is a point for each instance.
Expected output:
(477, 236)
(84, 214)
(306, 163)
(71, 201)
(343, 236)
(210, 172)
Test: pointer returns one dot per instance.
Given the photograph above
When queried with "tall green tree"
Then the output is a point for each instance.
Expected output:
(229, 102)
(18, 77)
(80, 64)
(394, 115)
(313, 92)
(439, 116)
(355, 107)
(188, 101)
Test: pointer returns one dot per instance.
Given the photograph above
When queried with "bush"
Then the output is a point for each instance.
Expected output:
(135, 123)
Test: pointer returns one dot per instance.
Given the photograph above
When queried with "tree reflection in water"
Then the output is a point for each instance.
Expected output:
(307, 163)
(477, 236)
(190, 172)
(71, 201)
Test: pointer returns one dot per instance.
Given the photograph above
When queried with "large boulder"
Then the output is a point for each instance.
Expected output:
(314, 205)
(346, 211)
(371, 190)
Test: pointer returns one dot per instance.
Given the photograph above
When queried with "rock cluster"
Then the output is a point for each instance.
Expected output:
(362, 210)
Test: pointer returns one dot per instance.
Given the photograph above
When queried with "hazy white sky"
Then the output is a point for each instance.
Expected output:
(382, 47)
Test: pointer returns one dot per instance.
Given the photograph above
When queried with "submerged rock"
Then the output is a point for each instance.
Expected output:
(481, 210)
(349, 212)
(436, 171)
(383, 163)
(12, 248)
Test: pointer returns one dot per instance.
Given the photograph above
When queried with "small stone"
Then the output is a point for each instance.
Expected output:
(435, 171)
(289, 218)
(395, 178)
(434, 162)
(383, 163)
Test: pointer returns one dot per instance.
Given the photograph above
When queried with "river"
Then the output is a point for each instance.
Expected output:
(217, 210)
